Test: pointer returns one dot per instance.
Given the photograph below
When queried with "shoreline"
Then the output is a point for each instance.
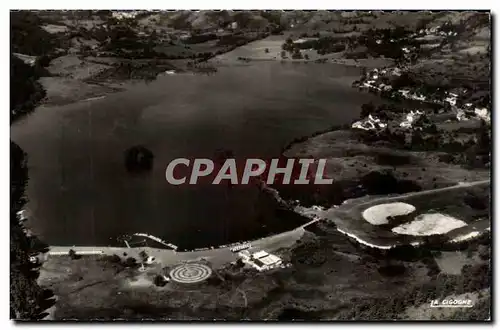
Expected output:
(215, 60)
(217, 256)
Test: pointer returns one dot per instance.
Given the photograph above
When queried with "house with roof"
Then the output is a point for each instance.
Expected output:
(370, 123)
(260, 260)
(411, 118)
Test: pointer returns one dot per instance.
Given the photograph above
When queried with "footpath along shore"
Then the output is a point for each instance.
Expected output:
(217, 256)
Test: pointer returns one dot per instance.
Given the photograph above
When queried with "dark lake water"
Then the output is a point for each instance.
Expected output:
(80, 192)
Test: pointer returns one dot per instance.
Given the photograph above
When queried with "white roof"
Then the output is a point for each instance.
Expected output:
(270, 259)
(260, 254)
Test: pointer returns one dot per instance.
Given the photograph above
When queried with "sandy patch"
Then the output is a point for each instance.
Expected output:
(429, 224)
(265, 49)
(451, 262)
(484, 34)
(377, 215)
(465, 237)
(52, 28)
(66, 90)
(73, 67)
(141, 281)
(483, 49)
(28, 59)
(382, 247)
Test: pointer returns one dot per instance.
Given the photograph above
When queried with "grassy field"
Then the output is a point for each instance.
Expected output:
(468, 204)
(330, 279)
(359, 167)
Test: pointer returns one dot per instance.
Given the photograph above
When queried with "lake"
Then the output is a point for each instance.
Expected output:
(81, 193)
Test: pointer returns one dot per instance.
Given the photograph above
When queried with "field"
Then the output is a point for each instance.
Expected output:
(468, 204)
(360, 167)
(330, 279)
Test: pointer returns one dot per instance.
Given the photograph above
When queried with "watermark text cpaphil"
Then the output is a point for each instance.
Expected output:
(300, 171)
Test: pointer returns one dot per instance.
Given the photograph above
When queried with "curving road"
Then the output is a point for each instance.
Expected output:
(430, 191)
(461, 185)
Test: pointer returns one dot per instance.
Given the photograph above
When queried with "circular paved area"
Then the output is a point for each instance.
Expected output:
(190, 273)
(377, 214)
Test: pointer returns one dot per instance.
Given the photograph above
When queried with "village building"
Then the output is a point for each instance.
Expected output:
(461, 115)
(370, 123)
(260, 260)
(483, 113)
(410, 119)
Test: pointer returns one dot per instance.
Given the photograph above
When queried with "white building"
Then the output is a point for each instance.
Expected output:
(369, 123)
(260, 260)
(410, 119)
(150, 260)
(124, 14)
(483, 113)
(418, 97)
(30, 60)
(271, 261)
(451, 98)
(22, 215)
(461, 115)
(396, 72)
(260, 254)
(404, 92)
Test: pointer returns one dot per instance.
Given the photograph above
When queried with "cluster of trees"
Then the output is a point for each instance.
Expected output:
(310, 253)
(27, 37)
(28, 300)
(392, 307)
(375, 42)
(473, 153)
(323, 45)
(25, 91)
(201, 38)
(383, 111)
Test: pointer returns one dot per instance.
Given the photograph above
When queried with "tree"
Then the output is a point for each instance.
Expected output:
(367, 109)
(138, 159)
(297, 55)
(25, 293)
(484, 138)
(130, 262)
(144, 256)
(159, 280)
(72, 254)
(266, 50)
